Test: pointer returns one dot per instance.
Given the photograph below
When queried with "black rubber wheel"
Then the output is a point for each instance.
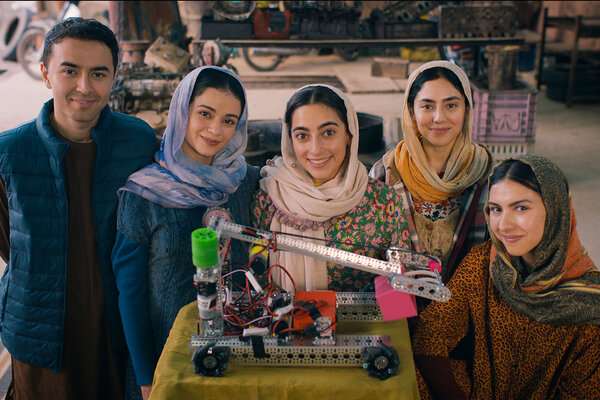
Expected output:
(260, 62)
(29, 51)
(11, 30)
(348, 54)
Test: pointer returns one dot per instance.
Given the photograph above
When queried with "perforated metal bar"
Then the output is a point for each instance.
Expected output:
(284, 242)
(358, 306)
(300, 352)
(351, 306)
(393, 270)
(419, 287)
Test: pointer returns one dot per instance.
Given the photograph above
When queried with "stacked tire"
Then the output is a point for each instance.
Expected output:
(12, 26)
(556, 77)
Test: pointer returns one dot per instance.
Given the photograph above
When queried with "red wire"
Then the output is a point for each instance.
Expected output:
(301, 311)
(286, 272)
(225, 250)
(245, 309)
(274, 242)
(331, 327)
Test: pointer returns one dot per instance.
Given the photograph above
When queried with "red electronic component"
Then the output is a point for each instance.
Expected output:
(323, 301)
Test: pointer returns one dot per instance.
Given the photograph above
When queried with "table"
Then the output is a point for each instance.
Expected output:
(174, 377)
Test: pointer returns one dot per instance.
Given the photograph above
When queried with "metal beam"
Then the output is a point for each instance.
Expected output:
(409, 42)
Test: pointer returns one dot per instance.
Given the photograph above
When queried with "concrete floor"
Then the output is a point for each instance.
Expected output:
(570, 137)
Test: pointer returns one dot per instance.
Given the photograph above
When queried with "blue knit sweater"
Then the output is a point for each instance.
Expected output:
(152, 262)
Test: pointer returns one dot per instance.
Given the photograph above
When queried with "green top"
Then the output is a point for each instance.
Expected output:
(205, 248)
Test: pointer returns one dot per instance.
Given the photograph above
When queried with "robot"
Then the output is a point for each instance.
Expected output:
(298, 329)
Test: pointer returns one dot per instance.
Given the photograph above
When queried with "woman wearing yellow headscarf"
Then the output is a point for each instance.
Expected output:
(436, 170)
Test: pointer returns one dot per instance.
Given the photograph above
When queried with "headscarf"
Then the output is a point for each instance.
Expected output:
(556, 288)
(175, 180)
(293, 192)
(467, 164)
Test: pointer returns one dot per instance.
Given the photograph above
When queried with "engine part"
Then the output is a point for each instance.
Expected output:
(326, 20)
(233, 10)
(134, 50)
(167, 56)
(467, 20)
(144, 92)
(406, 11)
(214, 53)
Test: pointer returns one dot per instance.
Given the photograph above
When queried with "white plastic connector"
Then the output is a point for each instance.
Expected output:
(256, 331)
(283, 311)
(253, 282)
(227, 297)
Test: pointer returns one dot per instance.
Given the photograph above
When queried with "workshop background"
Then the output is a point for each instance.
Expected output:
(534, 68)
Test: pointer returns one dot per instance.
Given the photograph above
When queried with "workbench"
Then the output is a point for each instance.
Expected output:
(174, 377)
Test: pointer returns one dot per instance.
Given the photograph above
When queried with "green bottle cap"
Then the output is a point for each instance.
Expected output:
(205, 248)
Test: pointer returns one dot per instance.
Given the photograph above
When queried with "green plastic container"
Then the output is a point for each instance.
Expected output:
(205, 248)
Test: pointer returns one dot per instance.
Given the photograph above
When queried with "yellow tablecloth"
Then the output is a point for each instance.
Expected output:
(175, 378)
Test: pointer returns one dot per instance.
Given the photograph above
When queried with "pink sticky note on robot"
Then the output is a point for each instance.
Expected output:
(393, 303)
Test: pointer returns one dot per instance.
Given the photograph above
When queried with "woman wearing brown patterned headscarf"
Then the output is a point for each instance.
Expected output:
(523, 320)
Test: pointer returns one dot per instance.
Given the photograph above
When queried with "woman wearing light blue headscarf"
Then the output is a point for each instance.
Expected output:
(200, 164)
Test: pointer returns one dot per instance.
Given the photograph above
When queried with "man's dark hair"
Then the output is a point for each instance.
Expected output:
(81, 29)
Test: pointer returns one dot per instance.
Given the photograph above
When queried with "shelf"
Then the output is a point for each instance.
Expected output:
(407, 42)
(583, 27)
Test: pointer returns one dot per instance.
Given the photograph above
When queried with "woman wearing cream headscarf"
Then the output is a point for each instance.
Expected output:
(436, 170)
(318, 189)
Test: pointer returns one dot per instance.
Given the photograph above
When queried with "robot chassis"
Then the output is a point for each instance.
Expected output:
(212, 350)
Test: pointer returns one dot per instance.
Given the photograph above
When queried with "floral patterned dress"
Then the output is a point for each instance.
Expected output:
(376, 223)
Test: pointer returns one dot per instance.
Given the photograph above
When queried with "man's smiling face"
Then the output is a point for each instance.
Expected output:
(80, 74)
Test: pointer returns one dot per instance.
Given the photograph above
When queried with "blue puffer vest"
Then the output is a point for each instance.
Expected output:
(32, 289)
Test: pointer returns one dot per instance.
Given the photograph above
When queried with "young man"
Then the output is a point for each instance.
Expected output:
(58, 195)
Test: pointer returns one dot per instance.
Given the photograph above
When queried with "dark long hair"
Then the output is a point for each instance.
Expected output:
(315, 95)
(433, 74)
(516, 171)
(215, 79)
